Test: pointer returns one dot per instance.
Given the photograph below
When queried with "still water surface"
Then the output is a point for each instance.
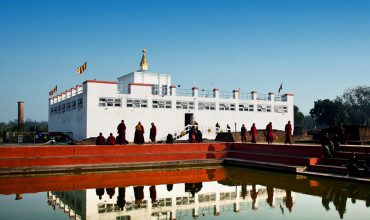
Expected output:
(191, 193)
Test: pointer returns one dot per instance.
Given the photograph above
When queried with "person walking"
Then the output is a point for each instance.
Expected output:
(121, 130)
(139, 134)
(243, 133)
(153, 133)
(269, 133)
(288, 133)
(254, 134)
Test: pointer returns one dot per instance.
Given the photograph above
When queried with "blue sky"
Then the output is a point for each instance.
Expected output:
(316, 48)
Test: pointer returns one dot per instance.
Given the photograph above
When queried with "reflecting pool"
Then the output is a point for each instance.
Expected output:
(189, 193)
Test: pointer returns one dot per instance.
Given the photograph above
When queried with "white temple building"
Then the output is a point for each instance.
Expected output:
(99, 106)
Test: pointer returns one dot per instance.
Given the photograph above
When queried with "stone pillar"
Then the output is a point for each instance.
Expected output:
(237, 200)
(172, 90)
(216, 93)
(195, 91)
(20, 115)
(196, 206)
(254, 95)
(235, 94)
(217, 208)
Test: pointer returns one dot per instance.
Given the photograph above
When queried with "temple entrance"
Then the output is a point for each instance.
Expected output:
(189, 118)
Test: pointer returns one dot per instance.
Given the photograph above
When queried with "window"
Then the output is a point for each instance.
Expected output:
(184, 105)
(73, 103)
(162, 104)
(264, 108)
(63, 108)
(51, 110)
(227, 107)
(79, 103)
(59, 108)
(281, 109)
(137, 103)
(246, 107)
(109, 102)
(207, 106)
(164, 90)
(55, 110)
(68, 106)
(155, 89)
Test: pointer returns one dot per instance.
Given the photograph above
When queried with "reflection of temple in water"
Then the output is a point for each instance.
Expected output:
(172, 201)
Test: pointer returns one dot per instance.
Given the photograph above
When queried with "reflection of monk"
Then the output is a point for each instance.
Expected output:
(254, 194)
(327, 197)
(169, 187)
(139, 134)
(139, 194)
(193, 187)
(244, 189)
(289, 200)
(340, 202)
(153, 193)
(100, 192)
(270, 195)
(110, 192)
(121, 201)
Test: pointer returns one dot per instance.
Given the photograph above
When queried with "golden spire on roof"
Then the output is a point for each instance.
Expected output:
(143, 62)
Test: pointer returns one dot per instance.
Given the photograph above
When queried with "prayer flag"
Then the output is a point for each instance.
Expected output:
(53, 91)
(81, 69)
(280, 88)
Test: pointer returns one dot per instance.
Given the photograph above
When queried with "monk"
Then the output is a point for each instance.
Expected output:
(100, 140)
(111, 140)
(288, 133)
(269, 133)
(139, 134)
(121, 130)
(254, 133)
(243, 133)
(153, 133)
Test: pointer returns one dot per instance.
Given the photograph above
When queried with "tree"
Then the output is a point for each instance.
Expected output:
(298, 117)
(329, 113)
(357, 104)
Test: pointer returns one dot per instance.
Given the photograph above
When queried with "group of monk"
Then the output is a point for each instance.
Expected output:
(121, 138)
(269, 133)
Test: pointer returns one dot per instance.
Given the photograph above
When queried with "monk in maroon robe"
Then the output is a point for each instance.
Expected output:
(288, 133)
(121, 130)
(254, 133)
(100, 140)
(269, 133)
(139, 134)
(153, 133)
(111, 140)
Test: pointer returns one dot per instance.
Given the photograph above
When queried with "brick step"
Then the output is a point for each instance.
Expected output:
(79, 150)
(336, 161)
(341, 170)
(108, 159)
(279, 149)
(348, 155)
(353, 148)
(264, 165)
(289, 160)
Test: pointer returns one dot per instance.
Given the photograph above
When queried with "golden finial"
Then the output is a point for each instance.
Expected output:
(143, 62)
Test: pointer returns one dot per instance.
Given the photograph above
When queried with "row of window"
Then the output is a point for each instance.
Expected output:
(65, 107)
(167, 104)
